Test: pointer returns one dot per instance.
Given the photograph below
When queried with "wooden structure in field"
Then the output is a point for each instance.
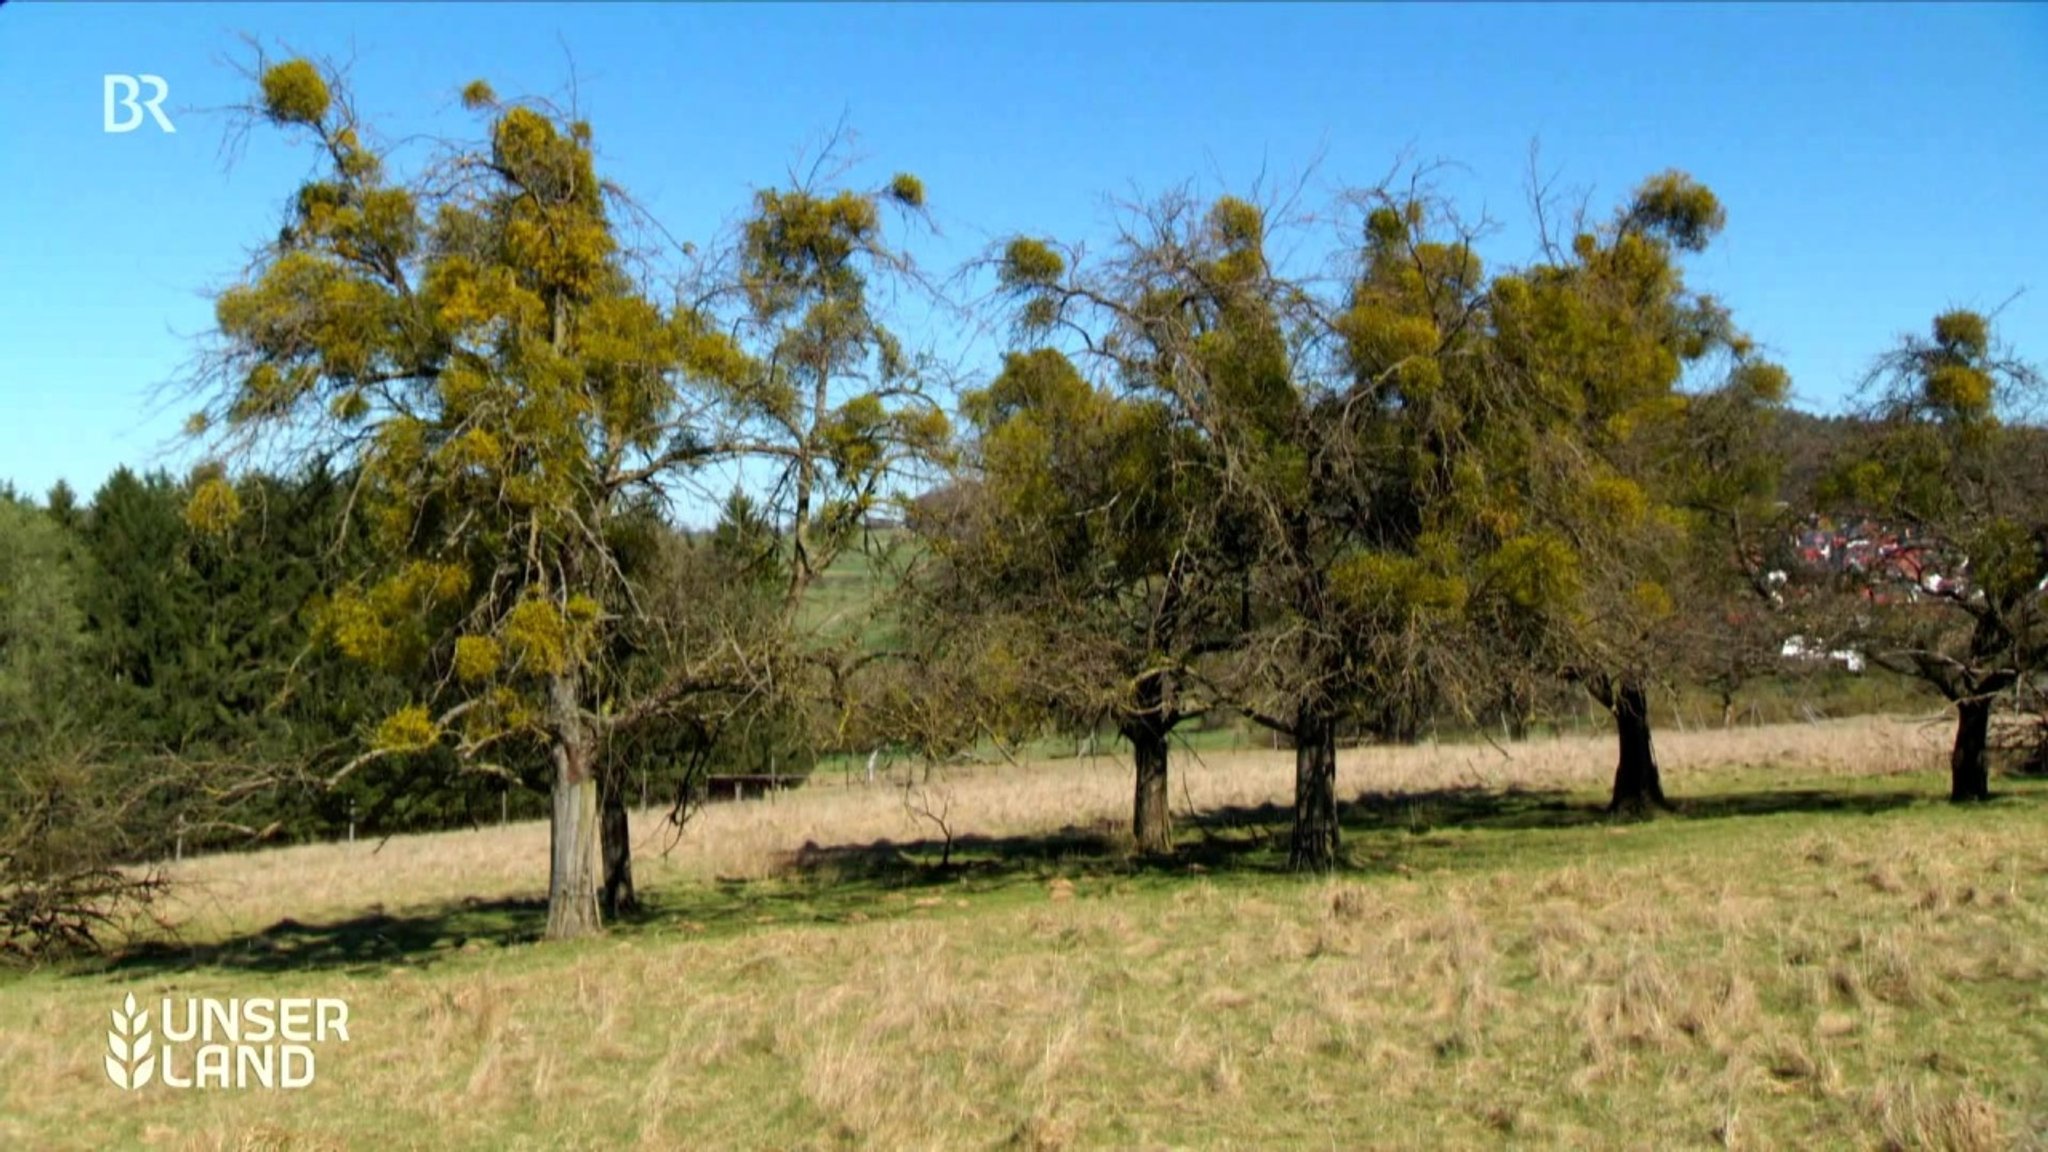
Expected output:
(743, 787)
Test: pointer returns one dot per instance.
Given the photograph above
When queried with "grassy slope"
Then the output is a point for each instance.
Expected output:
(1817, 952)
(846, 595)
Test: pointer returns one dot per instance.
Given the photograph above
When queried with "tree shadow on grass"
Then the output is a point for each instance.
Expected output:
(851, 883)
(373, 941)
(1101, 849)
(1531, 809)
(1252, 839)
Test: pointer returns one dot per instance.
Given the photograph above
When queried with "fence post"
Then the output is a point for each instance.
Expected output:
(351, 821)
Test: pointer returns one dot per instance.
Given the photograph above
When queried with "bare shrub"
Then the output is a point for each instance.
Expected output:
(66, 833)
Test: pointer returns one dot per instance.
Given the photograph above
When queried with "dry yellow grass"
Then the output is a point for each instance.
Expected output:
(1868, 979)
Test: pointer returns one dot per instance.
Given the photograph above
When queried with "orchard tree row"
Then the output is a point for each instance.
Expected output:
(1357, 497)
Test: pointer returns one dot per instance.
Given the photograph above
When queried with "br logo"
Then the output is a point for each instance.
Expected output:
(130, 1062)
(124, 93)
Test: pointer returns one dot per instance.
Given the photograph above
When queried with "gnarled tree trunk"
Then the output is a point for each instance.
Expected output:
(1637, 784)
(1516, 708)
(1313, 845)
(1151, 821)
(573, 835)
(1969, 762)
(616, 845)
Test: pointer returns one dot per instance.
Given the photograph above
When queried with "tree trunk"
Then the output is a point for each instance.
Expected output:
(573, 836)
(1147, 730)
(1407, 730)
(1637, 784)
(1313, 844)
(1969, 763)
(616, 846)
(1151, 821)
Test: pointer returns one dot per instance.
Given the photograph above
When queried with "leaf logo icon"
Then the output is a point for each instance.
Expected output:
(131, 1063)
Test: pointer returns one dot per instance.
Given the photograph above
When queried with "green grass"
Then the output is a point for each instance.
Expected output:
(846, 597)
(1834, 962)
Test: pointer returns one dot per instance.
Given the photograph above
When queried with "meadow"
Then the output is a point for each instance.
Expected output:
(1815, 950)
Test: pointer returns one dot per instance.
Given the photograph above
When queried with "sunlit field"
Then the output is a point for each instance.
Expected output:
(1816, 950)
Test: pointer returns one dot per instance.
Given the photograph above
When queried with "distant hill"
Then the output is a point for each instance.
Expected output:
(1807, 442)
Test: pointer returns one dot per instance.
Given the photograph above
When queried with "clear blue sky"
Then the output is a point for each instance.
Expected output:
(1878, 162)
